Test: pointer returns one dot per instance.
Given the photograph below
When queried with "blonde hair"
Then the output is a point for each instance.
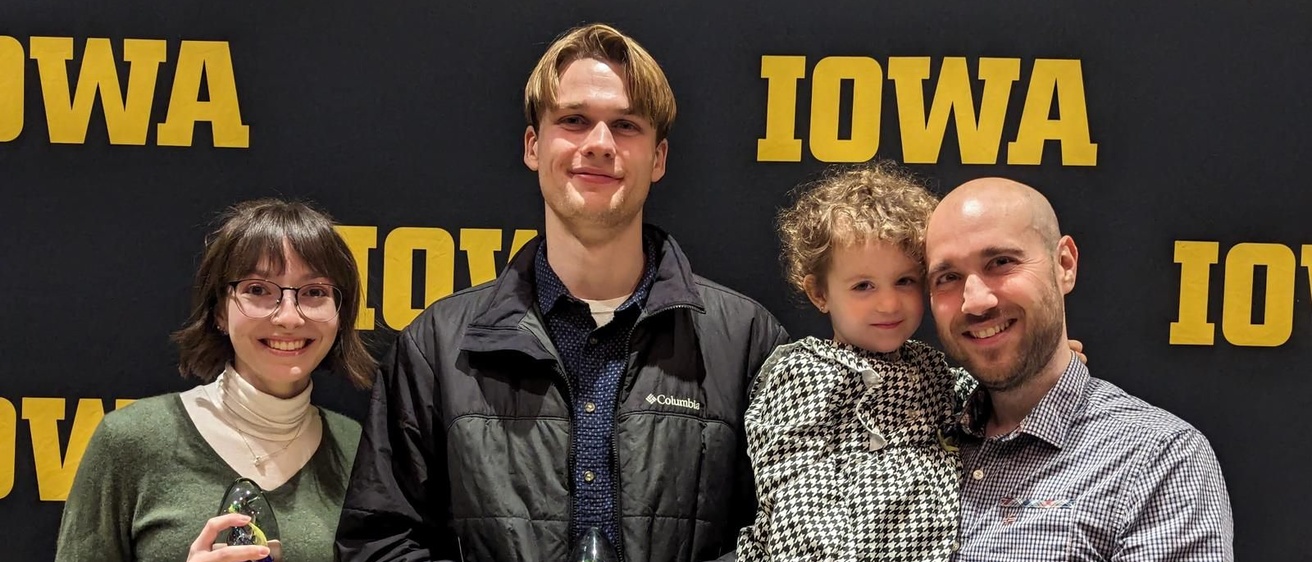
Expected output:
(852, 205)
(649, 91)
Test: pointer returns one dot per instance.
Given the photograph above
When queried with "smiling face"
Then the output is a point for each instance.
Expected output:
(997, 287)
(277, 354)
(596, 159)
(873, 294)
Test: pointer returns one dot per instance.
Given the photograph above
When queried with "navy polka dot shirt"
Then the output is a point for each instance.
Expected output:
(594, 360)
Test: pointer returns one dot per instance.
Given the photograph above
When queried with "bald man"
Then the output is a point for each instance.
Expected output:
(1058, 465)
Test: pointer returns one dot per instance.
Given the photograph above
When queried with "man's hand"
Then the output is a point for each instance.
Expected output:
(1077, 346)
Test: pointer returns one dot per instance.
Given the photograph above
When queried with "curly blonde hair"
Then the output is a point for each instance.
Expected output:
(852, 205)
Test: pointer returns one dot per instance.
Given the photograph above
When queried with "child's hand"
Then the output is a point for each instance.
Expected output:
(1078, 347)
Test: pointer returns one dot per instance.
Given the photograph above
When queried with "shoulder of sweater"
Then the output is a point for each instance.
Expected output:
(139, 429)
(338, 423)
(343, 431)
(150, 415)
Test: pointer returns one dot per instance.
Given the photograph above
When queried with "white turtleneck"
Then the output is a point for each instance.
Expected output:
(240, 423)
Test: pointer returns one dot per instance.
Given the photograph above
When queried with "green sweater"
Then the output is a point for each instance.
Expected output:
(149, 481)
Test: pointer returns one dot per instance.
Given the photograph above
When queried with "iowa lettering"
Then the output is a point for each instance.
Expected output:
(127, 118)
(1054, 84)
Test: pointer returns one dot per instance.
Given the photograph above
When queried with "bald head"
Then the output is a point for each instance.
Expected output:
(999, 270)
(997, 198)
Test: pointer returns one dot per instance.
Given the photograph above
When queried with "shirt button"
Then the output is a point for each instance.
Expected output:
(956, 546)
(978, 474)
(592, 341)
(588, 476)
(589, 407)
(877, 441)
(871, 378)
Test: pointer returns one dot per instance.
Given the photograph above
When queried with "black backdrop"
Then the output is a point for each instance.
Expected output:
(402, 118)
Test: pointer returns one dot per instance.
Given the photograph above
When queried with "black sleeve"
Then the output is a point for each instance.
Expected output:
(768, 334)
(397, 506)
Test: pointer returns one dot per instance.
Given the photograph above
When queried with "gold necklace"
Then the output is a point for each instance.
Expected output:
(258, 460)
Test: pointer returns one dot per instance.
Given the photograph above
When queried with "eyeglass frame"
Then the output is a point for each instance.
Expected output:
(282, 291)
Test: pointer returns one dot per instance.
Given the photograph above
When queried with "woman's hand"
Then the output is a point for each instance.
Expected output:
(200, 550)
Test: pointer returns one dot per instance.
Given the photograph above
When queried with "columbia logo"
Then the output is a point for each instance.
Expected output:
(672, 401)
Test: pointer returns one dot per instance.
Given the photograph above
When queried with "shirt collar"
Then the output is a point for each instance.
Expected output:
(1051, 417)
(550, 289)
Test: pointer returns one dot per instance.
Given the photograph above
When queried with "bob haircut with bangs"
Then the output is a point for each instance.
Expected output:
(249, 234)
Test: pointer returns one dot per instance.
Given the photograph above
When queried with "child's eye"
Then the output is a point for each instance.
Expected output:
(863, 286)
(908, 281)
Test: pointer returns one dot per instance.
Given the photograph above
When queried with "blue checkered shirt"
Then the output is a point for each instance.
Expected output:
(594, 360)
(1092, 473)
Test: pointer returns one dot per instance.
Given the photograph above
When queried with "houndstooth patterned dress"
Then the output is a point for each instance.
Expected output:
(848, 454)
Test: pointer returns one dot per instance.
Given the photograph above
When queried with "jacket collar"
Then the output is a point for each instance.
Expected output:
(510, 320)
(550, 290)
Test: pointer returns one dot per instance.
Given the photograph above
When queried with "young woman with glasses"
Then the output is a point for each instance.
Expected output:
(275, 298)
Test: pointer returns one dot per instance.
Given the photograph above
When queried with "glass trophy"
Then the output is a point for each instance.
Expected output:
(593, 547)
(246, 497)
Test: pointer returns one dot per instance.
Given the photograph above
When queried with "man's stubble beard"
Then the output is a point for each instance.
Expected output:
(1046, 327)
(575, 214)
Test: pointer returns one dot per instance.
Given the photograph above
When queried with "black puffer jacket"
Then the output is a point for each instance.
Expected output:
(465, 453)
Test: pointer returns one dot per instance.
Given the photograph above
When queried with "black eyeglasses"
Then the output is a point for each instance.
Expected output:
(260, 298)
